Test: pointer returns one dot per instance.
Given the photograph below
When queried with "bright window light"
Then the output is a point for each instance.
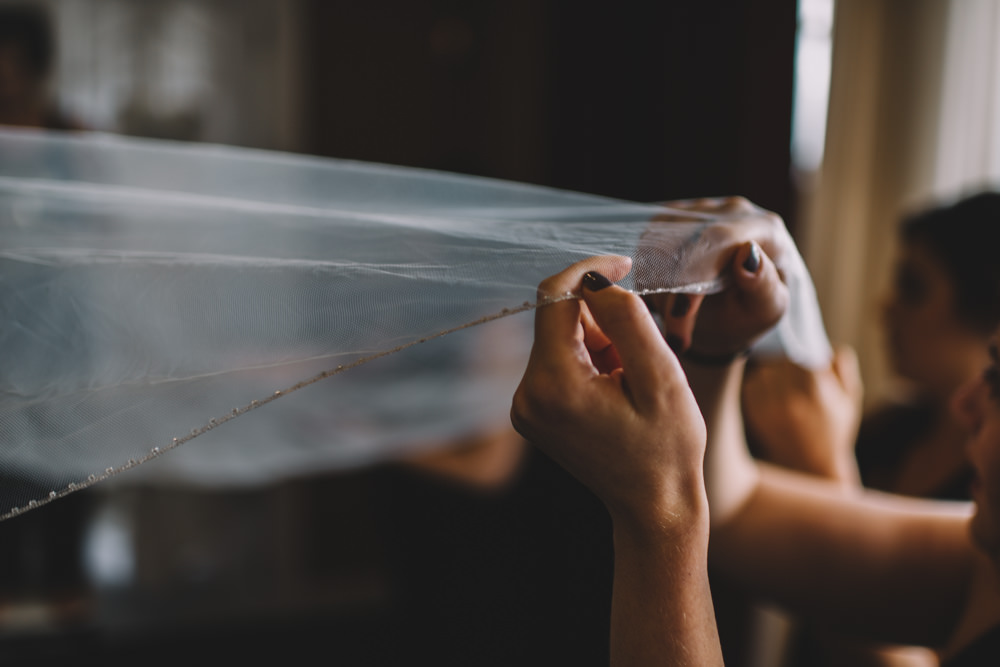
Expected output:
(812, 82)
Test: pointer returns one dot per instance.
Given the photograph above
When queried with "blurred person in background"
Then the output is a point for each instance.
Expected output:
(938, 317)
(944, 305)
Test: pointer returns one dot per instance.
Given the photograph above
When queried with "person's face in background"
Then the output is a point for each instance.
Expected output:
(977, 406)
(926, 340)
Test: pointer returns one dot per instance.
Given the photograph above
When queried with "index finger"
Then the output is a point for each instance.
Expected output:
(647, 361)
(559, 322)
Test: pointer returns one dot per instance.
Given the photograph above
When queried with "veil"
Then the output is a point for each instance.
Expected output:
(225, 316)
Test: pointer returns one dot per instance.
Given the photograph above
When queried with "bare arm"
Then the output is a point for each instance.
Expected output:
(806, 419)
(661, 611)
(606, 398)
(874, 565)
(896, 569)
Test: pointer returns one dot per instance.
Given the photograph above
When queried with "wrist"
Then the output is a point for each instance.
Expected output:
(708, 359)
(821, 462)
(668, 519)
(711, 380)
(846, 473)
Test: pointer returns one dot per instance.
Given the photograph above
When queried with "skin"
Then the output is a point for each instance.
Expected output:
(927, 341)
(587, 385)
(774, 530)
(935, 350)
(606, 398)
(872, 565)
(977, 406)
(807, 419)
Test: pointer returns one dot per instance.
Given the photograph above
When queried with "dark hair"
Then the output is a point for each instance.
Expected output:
(29, 27)
(965, 237)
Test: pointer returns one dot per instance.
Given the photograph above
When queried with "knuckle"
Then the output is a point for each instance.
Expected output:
(719, 235)
(738, 203)
(672, 398)
(549, 286)
(519, 418)
(772, 219)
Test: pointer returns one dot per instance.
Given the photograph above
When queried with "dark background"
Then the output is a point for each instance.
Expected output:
(645, 101)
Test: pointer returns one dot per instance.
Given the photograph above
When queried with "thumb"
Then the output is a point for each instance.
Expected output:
(761, 287)
(646, 360)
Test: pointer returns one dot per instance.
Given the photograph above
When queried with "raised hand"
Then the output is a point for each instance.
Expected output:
(806, 419)
(718, 326)
(605, 397)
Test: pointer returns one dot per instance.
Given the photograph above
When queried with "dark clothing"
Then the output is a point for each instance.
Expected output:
(984, 652)
(521, 576)
(884, 440)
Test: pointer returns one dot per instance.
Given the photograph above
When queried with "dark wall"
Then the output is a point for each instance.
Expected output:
(640, 100)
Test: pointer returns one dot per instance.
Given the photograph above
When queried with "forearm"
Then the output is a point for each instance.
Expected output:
(731, 474)
(806, 418)
(605, 398)
(773, 530)
(835, 464)
(662, 611)
(841, 469)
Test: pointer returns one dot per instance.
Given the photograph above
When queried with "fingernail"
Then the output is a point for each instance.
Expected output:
(752, 262)
(675, 343)
(594, 281)
(682, 304)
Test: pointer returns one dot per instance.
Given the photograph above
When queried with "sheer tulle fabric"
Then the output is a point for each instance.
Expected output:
(223, 316)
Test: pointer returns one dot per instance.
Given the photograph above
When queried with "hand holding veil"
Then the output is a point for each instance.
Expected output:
(227, 316)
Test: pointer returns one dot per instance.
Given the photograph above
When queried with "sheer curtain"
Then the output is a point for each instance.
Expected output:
(968, 141)
(913, 116)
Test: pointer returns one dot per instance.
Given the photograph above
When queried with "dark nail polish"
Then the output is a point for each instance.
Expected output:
(682, 304)
(675, 343)
(752, 262)
(594, 281)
